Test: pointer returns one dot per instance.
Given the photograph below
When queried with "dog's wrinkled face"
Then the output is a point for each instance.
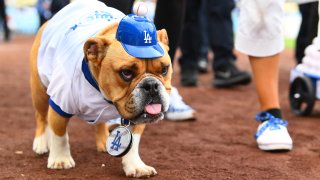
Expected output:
(139, 88)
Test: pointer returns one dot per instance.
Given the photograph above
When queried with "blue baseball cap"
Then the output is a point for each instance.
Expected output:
(138, 36)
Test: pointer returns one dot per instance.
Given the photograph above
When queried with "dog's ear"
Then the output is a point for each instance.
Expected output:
(163, 38)
(96, 48)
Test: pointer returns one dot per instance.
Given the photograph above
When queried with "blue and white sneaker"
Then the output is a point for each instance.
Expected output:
(272, 134)
(178, 110)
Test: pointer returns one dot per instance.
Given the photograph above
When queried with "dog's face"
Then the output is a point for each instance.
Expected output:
(139, 88)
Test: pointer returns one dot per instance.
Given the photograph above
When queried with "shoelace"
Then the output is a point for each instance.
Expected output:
(272, 122)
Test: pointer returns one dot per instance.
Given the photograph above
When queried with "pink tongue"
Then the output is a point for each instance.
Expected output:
(153, 108)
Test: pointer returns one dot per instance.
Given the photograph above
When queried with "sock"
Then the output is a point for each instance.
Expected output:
(276, 112)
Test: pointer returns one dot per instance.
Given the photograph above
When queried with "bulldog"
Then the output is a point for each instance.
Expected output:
(94, 62)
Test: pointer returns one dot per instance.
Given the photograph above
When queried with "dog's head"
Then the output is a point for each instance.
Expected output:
(130, 62)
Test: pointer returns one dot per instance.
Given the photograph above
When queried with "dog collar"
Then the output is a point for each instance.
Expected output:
(87, 74)
(125, 122)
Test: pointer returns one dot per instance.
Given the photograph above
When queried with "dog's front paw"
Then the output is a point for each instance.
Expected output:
(61, 162)
(139, 170)
(101, 148)
(40, 144)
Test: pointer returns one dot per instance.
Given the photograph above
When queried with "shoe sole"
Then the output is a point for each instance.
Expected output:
(203, 70)
(186, 117)
(275, 147)
(242, 80)
(189, 84)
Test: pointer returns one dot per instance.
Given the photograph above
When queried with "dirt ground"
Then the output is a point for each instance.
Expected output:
(218, 145)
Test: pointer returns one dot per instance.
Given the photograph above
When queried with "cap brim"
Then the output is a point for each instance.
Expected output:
(144, 52)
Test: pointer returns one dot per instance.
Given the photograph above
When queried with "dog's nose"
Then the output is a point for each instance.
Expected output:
(151, 87)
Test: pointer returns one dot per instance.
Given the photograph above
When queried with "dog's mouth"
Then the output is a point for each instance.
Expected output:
(152, 113)
(152, 109)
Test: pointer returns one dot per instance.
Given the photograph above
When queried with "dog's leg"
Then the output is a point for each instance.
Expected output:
(59, 155)
(40, 142)
(102, 133)
(40, 103)
(39, 100)
(133, 166)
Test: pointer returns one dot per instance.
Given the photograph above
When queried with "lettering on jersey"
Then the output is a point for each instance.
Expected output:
(74, 27)
(116, 143)
(100, 15)
(71, 29)
(91, 18)
(147, 37)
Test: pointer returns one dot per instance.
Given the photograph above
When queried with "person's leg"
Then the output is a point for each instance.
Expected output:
(308, 28)
(203, 40)
(220, 29)
(263, 47)
(4, 19)
(221, 42)
(301, 38)
(314, 20)
(272, 133)
(318, 19)
(266, 80)
(189, 44)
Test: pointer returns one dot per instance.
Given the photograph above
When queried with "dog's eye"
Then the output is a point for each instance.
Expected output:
(127, 75)
(164, 70)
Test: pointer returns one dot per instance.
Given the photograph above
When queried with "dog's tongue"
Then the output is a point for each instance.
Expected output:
(153, 109)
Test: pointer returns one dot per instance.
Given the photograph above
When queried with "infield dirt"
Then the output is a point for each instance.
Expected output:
(220, 144)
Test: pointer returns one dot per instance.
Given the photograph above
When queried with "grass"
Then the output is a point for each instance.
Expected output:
(290, 43)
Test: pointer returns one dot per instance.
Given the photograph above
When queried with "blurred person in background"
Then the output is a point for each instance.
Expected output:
(57, 5)
(308, 28)
(47, 8)
(43, 8)
(203, 50)
(210, 22)
(6, 30)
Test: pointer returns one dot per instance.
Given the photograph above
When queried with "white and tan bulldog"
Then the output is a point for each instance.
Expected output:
(94, 62)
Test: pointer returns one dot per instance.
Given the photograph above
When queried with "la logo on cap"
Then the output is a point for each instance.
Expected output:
(147, 37)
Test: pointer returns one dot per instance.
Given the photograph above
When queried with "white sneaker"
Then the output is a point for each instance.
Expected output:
(272, 134)
(178, 110)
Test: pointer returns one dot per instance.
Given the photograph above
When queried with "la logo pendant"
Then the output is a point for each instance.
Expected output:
(119, 141)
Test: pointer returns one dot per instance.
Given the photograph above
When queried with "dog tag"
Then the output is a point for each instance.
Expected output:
(119, 141)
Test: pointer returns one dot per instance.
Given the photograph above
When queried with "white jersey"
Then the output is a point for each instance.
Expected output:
(60, 60)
